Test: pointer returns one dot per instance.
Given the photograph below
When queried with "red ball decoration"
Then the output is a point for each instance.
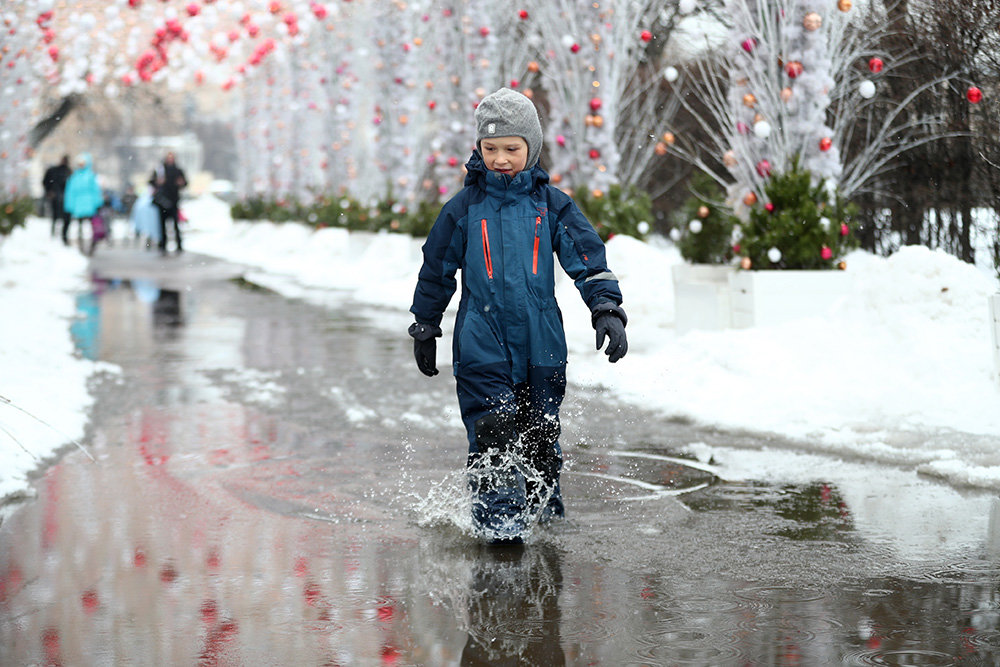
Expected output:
(484, 31)
(825, 144)
(748, 44)
(595, 103)
(826, 253)
(523, 14)
(575, 48)
(646, 35)
(793, 69)
(876, 65)
(193, 9)
(844, 229)
(974, 95)
(594, 153)
(769, 207)
(764, 168)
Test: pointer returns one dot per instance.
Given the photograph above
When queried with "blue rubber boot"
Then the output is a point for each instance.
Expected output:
(498, 487)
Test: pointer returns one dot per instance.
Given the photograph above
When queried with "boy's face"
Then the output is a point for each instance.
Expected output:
(506, 155)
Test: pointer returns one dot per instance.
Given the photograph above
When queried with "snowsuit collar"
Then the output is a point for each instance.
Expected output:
(501, 185)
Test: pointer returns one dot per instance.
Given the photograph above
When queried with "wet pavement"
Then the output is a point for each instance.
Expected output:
(276, 484)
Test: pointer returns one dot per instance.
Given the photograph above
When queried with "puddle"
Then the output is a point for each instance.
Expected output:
(261, 496)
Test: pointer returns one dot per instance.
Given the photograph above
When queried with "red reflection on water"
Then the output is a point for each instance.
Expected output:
(89, 600)
(52, 647)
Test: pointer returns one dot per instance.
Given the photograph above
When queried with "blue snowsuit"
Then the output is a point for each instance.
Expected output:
(509, 346)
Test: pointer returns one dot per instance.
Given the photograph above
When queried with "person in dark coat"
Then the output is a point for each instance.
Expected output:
(168, 180)
(54, 182)
(503, 230)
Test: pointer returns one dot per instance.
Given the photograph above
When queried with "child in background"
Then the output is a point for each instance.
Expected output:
(509, 347)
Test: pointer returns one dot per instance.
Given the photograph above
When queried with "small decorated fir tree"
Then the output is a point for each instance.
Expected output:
(797, 227)
(704, 230)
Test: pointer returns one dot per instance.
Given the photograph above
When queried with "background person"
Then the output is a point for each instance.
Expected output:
(84, 196)
(168, 180)
(54, 183)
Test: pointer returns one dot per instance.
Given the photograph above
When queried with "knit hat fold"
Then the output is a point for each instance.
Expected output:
(508, 113)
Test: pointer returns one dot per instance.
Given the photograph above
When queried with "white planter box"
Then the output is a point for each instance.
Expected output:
(701, 296)
(995, 329)
(762, 298)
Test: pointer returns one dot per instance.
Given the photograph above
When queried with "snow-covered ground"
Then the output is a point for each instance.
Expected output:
(901, 373)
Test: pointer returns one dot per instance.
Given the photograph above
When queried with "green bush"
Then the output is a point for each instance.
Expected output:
(802, 224)
(344, 212)
(704, 226)
(617, 211)
(13, 213)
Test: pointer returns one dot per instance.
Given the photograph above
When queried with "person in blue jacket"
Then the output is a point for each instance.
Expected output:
(83, 197)
(503, 231)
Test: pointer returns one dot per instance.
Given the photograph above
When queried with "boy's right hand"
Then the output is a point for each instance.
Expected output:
(425, 347)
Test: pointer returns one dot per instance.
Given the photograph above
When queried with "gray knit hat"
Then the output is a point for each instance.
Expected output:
(507, 113)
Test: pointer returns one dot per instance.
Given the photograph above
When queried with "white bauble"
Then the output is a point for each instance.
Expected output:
(762, 129)
(675, 235)
(867, 89)
(643, 227)
(825, 224)
(671, 74)
(774, 255)
(695, 226)
(687, 6)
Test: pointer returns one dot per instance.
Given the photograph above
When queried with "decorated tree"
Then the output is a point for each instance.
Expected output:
(783, 94)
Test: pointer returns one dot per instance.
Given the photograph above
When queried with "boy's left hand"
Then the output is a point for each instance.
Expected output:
(609, 321)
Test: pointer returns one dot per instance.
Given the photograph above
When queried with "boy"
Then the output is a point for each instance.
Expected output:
(509, 347)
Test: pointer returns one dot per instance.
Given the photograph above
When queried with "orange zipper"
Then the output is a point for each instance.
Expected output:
(534, 258)
(486, 251)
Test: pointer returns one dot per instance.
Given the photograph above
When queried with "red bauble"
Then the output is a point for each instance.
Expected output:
(484, 31)
(793, 69)
(764, 168)
(646, 35)
(974, 95)
(523, 14)
(825, 144)
(595, 103)
(769, 207)
(826, 253)
(575, 48)
(876, 65)
(594, 153)
(844, 229)
(193, 9)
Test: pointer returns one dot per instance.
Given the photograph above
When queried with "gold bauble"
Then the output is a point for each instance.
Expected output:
(842, 266)
(669, 138)
(745, 263)
(598, 121)
(749, 100)
(597, 194)
(786, 94)
(703, 212)
(749, 199)
(812, 21)
(661, 148)
(844, 5)
(729, 159)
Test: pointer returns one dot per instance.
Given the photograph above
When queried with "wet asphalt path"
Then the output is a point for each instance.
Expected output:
(277, 485)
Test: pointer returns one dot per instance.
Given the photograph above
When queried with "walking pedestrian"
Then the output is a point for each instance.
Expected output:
(168, 180)
(54, 183)
(83, 197)
(509, 347)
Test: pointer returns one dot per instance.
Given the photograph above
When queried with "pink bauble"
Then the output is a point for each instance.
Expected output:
(764, 168)
(826, 253)
(595, 103)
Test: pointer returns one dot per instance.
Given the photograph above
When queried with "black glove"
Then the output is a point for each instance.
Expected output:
(609, 320)
(425, 347)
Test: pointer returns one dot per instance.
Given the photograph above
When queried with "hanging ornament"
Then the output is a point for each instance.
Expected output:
(729, 159)
(645, 35)
(769, 207)
(660, 148)
(749, 199)
(749, 100)
(523, 14)
(842, 265)
(594, 154)
(825, 144)
(844, 229)
(694, 226)
(675, 235)
(561, 140)
(533, 66)
(875, 65)
(687, 6)
(793, 69)
(598, 121)
(774, 255)
(595, 103)
(762, 129)
(786, 94)
(742, 127)
(703, 212)
(669, 138)
(866, 89)
(812, 21)
(844, 5)
(826, 253)
(745, 263)
(974, 95)
(764, 168)
(671, 74)
(749, 44)
(825, 224)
